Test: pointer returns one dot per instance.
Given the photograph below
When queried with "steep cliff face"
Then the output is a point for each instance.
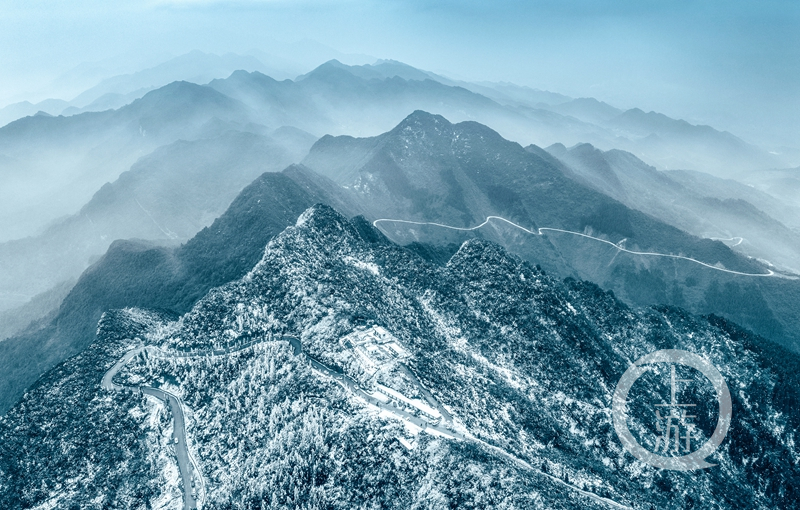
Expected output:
(344, 371)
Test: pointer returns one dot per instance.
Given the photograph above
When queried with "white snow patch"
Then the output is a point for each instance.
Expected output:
(303, 218)
(424, 408)
(366, 266)
(380, 396)
(53, 502)
(403, 441)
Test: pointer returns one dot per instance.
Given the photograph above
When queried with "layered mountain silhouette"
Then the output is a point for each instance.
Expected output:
(690, 201)
(785, 209)
(194, 67)
(167, 196)
(116, 91)
(519, 366)
(22, 109)
(783, 183)
(587, 109)
(93, 148)
(676, 144)
(141, 273)
(337, 99)
(383, 93)
(53, 165)
(426, 170)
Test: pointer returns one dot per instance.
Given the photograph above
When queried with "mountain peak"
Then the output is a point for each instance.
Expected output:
(380, 70)
(423, 116)
(585, 148)
(557, 149)
(330, 64)
(323, 227)
(320, 215)
(482, 255)
(422, 120)
(183, 91)
(389, 61)
(332, 69)
(322, 221)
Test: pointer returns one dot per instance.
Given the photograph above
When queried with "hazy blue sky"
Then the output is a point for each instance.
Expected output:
(730, 63)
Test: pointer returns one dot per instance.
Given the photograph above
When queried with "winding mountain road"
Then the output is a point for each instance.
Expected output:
(186, 463)
(739, 240)
(446, 416)
(538, 232)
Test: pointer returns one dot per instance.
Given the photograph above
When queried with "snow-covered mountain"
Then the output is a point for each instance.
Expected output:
(435, 182)
(343, 371)
(145, 274)
(167, 197)
(425, 170)
(455, 344)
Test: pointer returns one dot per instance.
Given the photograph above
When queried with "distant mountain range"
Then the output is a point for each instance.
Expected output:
(339, 93)
(427, 170)
(90, 149)
(782, 183)
(53, 165)
(786, 210)
(141, 273)
(701, 208)
(117, 91)
(167, 197)
(342, 370)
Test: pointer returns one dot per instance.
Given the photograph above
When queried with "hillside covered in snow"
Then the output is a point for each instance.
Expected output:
(345, 371)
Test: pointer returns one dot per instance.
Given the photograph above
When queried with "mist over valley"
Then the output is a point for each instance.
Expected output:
(241, 272)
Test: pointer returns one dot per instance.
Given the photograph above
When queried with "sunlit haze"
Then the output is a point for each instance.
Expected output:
(734, 65)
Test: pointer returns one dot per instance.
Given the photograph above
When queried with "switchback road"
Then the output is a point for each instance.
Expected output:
(186, 464)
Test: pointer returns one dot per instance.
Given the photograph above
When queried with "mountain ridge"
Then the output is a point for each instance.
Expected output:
(626, 178)
(485, 176)
(139, 273)
(469, 328)
(466, 173)
(166, 196)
